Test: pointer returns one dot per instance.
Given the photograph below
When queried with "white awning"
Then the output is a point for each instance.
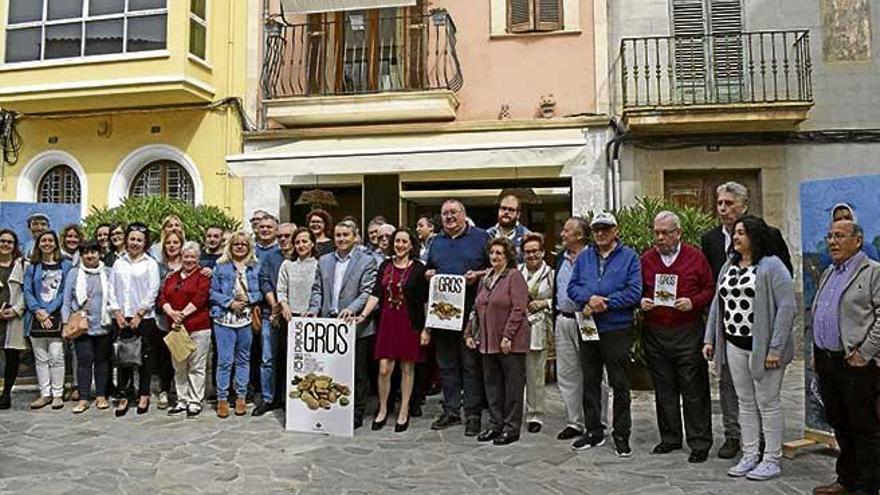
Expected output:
(315, 6)
(413, 153)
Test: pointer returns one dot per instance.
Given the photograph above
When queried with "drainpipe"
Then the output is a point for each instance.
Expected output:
(612, 167)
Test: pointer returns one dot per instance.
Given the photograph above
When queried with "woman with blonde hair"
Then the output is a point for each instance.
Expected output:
(171, 223)
(170, 261)
(235, 290)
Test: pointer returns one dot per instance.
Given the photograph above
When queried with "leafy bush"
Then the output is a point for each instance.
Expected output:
(636, 225)
(151, 210)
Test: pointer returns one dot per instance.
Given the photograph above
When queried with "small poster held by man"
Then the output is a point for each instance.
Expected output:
(665, 289)
(446, 302)
(320, 373)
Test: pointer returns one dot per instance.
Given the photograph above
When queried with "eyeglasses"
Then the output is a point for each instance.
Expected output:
(449, 213)
(508, 209)
(837, 236)
(285, 236)
(665, 233)
(6, 241)
(137, 228)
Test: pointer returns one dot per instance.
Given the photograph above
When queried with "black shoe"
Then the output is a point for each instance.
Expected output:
(588, 442)
(622, 448)
(506, 438)
(378, 425)
(143, 410)
(445, 421)
(730, 449)
(192, 411)
(177, 409)
(533, 427)
(262, 409)
(472, 428)
(415, 411)
(358, 422)
(698, 456)
(488, 434)
(568, 433)
(665, 448)
(5, 401)
(434, 390)
(120, 411)
(401, 427)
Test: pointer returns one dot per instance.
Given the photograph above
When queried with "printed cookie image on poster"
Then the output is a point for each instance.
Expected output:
(446, 302)
(320, 376)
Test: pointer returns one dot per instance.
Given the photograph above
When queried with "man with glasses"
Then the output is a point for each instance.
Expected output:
(459, 249)
(732, 203)
(846, 339)
(606, 284)
(673, 337)
(508, 224)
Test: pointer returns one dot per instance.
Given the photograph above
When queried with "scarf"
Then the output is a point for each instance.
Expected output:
(81, 290)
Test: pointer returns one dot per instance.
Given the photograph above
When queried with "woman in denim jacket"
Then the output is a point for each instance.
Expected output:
(43, 296)
(235, 290)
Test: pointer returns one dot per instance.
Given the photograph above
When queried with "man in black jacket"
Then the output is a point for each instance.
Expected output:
(732, 202)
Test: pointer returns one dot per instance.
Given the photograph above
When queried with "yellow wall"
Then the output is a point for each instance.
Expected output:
(205, 136)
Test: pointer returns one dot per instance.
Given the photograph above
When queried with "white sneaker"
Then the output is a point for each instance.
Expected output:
(162, 403)
(746, 463)
(766, 470)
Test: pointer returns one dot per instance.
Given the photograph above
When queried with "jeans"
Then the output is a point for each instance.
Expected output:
(681, 383)
(269, 342)
(233, 346)
(189, 375)
(535, 385)
(49, 360)
(460, 368)
(93, 359)
(852, 406)
(569, 374)
(611, 351)
(760, 404)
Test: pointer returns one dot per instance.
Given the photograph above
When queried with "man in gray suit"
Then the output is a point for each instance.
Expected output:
(846, 352)
(343, 282)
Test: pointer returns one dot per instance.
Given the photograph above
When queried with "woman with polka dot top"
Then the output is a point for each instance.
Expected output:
(750, 330)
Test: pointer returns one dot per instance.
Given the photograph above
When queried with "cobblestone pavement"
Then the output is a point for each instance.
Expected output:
(58, 452)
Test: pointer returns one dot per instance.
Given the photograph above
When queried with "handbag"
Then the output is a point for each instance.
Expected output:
(256, 319)
(77, 324)
(179, 343)
(127, 352)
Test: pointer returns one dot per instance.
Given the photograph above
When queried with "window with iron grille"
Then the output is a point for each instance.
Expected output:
(59, 185)
(525, 16)
(163, 178)
(51, 29)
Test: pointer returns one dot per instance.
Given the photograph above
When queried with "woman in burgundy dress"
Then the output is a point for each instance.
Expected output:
(400, 293)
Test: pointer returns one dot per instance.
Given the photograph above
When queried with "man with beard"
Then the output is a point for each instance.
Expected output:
(508, 223)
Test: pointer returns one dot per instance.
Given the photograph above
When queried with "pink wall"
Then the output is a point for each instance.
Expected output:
(518, 70)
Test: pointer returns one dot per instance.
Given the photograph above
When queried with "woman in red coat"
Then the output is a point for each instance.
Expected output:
(184, 298)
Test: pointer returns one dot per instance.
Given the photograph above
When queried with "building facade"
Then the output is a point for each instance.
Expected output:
(122, 97)
(393, 109)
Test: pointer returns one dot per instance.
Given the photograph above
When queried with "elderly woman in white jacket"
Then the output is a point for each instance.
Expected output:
(539, 278)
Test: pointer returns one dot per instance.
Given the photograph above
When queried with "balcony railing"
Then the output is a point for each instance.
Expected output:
(360, 55)
(720, 69)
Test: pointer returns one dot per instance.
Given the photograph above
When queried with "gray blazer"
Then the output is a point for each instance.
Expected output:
(357, 285)
(859, 314)
(774, 310)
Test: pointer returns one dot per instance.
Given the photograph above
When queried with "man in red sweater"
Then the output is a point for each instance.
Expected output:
(678, 286)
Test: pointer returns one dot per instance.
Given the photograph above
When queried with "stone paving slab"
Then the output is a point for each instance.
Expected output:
(56, 452)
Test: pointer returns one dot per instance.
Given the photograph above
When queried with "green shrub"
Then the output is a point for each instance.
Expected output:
(151, 210)
(636, 225)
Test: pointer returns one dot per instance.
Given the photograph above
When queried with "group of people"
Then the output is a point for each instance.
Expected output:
(730, 301)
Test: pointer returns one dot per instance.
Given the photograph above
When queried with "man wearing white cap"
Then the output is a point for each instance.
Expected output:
(606, 285)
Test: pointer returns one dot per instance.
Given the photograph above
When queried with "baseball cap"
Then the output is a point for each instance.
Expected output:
(37, 216)
(604, 218)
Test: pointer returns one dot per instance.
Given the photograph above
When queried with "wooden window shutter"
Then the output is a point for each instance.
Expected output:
(548, 15)
(689, 29)
(519, 15)
(726, 27)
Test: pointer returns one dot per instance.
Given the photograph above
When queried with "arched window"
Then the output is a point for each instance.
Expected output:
(59, 185)
(163, 178)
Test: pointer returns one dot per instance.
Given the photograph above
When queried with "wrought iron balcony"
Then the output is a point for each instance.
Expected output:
(360, 54)
(764, 68)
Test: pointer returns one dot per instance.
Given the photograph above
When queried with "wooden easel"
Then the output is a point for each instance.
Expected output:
(811, 438)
